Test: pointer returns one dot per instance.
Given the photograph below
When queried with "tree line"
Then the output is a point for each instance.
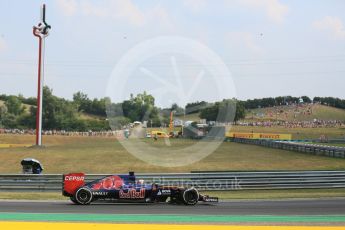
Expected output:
(83, 113)
(277, 101)
(274, 101)
(57, 113)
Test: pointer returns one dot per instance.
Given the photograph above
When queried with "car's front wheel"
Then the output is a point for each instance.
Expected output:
(83, 196)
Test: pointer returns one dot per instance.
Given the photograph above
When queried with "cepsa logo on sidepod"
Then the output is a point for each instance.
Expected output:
(111, 182)
(74, 178)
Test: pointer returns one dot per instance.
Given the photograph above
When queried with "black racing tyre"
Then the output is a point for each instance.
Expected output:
(72, 198)
(190, 196)
(83, 196)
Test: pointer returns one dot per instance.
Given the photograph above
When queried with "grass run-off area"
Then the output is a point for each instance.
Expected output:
(229, 195)
(63, 154)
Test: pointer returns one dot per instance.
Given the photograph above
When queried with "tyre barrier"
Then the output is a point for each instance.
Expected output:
(315, 149)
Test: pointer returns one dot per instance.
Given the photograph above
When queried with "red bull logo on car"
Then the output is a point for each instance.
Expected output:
(132, 194)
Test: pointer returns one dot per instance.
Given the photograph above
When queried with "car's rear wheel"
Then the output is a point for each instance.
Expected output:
(190, 196)
(72, 198)
(83, 196)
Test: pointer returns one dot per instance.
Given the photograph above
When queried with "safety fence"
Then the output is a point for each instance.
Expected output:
(316, 149)
(202, 181)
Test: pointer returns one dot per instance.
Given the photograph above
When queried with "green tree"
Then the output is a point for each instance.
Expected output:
(57, 113)
(240, 111)
(26, 120)
(3, 112)
(225, 111)
(140, 108)
(195, 107)
(9, 121)
(81, 101)
(306, 99)
(178, 110)
(119, 122)
(14, 105)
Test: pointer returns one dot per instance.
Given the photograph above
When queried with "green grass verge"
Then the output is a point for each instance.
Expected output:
(32, 196)
(232, 195)
(106, 155)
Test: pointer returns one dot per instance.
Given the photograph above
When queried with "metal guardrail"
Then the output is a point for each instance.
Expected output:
(321, 150)
(202, 181)
(335, 141)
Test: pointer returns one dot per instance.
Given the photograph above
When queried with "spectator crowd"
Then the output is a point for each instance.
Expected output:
(109, 133)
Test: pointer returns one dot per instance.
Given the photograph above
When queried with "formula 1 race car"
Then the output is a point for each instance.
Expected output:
(125, 188)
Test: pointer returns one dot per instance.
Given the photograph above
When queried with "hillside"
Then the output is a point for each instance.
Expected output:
(81, 115)
(307, 112)
(189, 117)
(86, 116)
(26, 106)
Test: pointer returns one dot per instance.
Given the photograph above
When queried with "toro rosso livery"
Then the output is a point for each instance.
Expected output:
(125, 188)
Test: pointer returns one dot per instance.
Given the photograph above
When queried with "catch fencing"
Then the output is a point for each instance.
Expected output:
(216, 181)
(315, 149)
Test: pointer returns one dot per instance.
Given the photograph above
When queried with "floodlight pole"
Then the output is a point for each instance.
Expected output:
(41, 31)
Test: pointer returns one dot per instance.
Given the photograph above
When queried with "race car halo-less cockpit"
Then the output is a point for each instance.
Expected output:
(125, 188)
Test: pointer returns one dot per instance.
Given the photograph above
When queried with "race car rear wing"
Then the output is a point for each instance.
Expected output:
(71, 182)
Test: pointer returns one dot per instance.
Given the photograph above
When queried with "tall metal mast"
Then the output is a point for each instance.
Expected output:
(41, 31)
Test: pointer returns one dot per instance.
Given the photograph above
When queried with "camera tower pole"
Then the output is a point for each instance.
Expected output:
(41, 31)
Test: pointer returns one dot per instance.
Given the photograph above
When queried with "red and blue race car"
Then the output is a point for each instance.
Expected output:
(125, 188)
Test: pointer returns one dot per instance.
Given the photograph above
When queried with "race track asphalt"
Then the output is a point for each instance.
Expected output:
(285, 207)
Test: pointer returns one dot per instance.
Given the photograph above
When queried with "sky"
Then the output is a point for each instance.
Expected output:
(179, 51)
